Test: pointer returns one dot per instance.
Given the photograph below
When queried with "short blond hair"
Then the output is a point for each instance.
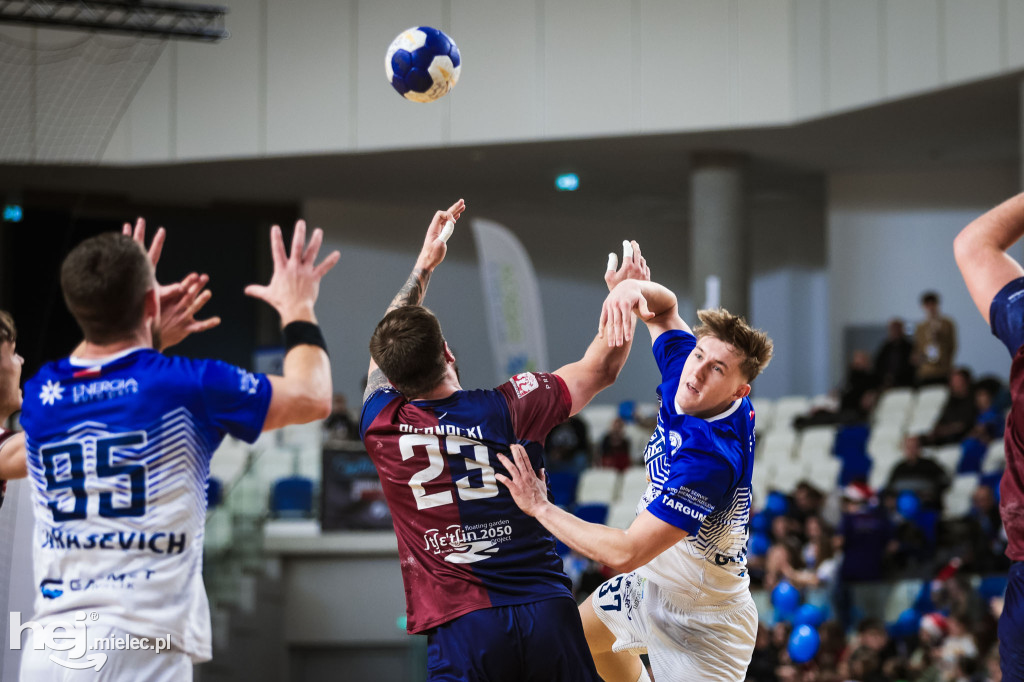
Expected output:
(753, 344)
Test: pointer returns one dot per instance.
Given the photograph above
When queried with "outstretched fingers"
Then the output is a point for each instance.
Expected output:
(327, 263)
(277, 251)
(298, 240)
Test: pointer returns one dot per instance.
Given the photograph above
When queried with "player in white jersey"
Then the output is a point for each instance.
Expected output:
(683, 596)
(118, 439)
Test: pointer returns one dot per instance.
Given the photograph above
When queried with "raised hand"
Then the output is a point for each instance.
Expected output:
(139, 235)
(180, 301)
(529, 491)
(435, 243)
(179, 304)
(616, 324)
(634, 265)
(295, 284)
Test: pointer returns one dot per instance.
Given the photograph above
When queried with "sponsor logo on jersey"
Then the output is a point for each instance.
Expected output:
(158, 543)
(51, 393)
(469, 544)
(248, 383)
(675, 441)
(50, 588)
(524, 383)
(684, 508)
(104, 390)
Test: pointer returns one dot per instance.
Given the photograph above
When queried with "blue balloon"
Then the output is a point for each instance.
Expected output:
(777, 504)
(785, 598)
(760, 523)
(809, 614)
(907, 504)
(803, 643)
(906, 624)
(758, 544)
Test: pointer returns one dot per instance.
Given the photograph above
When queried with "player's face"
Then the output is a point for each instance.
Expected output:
(10, 378)
(711, 379)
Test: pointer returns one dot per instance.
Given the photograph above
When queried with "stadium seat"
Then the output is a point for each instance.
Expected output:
(995, 457)
(634, 483)
(563, 487)
(816, 442)
(621, 514)
(764, 413)
(957, 500)
(598, 485)
(594, 512)
(824, 471)
(599, 419)
(788, 408)
(229, 461)
(894, 405)
(780, 440)
(292, 497)
(948, 456)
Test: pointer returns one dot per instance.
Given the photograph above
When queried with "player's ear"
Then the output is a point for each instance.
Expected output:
(151, 304)
(742, 392)
(448, 355)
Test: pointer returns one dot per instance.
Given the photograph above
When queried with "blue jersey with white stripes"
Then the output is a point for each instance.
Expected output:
(699, 471)
(119, 455)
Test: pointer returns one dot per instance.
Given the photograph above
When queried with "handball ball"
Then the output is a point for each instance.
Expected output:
(422, 64)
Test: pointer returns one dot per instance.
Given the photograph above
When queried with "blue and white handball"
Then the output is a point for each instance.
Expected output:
(423, 64)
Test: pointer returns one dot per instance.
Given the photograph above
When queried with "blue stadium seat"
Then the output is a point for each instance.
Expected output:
(563, 487)
(214, 492)
(594, 512)
(292, 497)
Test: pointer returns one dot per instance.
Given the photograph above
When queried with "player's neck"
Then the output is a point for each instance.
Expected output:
(88, 350)
(442, 390)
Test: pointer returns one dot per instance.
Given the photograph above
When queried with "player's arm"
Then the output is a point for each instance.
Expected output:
(601, 363)
(303, 393)
(622, 550)
(653, 303)
(981, 252)
(13, 458)
(434, 248)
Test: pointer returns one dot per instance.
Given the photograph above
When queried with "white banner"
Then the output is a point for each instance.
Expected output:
(515, 318)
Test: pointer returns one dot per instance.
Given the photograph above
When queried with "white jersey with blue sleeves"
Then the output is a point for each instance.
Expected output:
(699, 471)
(119, 456)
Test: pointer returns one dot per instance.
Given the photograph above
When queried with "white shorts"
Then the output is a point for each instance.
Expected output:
(128, 665)
(703, 643)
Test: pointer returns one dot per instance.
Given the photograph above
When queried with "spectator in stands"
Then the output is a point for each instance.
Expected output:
(855, 400)
(991, 423)
(807, 502)
(339, 426)
(958, 648)
(919, 474)
(615, 446)
(568, 446)
(958, 415)
(893, 365)
(934, 343)
(818, 553)
(766, 656)
(985, 528)
(866, 539)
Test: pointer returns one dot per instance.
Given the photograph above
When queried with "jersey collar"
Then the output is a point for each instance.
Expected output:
(722, 415)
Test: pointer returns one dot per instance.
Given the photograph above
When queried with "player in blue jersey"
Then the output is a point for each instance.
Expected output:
(683, 596)
(482, 580)
(995, 281)
(119, 439)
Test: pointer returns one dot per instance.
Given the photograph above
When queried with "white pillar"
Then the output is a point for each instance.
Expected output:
(717, 234)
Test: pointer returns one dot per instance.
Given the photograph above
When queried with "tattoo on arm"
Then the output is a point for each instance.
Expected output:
(375, 380)
(413, 291)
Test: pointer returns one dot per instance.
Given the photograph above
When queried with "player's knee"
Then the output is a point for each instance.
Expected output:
(599, 638)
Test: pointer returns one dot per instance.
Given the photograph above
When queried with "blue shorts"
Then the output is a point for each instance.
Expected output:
(1011, 627)
(538, 642)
